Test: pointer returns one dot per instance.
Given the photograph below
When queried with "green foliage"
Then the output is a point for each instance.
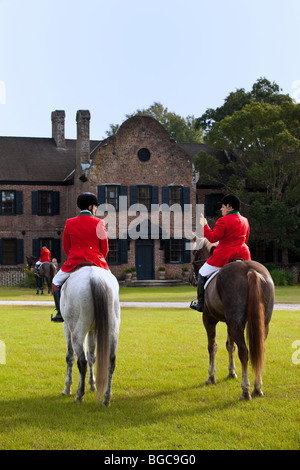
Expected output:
(261, 140)
(179, 128)
(263, 91)
(282, 278)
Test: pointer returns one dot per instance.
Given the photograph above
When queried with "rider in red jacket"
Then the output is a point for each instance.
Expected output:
(84, 240)
(232, 232)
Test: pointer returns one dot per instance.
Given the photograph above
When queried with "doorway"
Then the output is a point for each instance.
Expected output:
(144, 259)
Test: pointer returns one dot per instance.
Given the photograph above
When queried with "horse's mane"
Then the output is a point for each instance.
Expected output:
(204, 243)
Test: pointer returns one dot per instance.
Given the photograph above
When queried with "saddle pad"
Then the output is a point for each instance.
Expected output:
(210, 278)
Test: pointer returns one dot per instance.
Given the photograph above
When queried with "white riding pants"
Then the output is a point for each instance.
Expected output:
(207, 270)
(60, 277)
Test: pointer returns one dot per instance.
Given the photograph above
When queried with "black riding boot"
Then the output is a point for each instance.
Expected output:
(199, 304)
(58, 317)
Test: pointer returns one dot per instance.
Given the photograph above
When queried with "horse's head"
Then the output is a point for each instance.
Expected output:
(203, 251)
(31, 260)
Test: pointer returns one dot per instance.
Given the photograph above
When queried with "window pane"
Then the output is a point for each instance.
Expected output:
(9, 251)
(8, 202)
(175, 195)
(45, 202)
(113, 254)
(112, 194)
(175, 251)
(143, 196)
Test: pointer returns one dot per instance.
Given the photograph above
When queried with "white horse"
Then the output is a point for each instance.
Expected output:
(91, 309)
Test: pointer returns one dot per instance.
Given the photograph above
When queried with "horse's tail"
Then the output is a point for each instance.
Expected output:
(256, 321)
(102, 333)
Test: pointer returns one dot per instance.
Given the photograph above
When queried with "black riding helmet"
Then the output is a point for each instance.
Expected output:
(232, 200)
(85, 200)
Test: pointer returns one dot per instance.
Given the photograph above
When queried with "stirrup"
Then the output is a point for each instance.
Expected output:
(194, 305)
(58, 318)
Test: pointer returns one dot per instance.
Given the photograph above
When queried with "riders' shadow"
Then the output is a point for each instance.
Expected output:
(61, 413)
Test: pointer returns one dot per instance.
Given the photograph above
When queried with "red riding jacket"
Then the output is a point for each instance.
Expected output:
(45, 255)
(85, 239)
(232, 233)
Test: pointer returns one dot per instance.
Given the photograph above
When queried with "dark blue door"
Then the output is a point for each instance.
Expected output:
(144, 259)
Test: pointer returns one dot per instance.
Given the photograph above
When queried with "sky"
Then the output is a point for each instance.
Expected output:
(113, 57)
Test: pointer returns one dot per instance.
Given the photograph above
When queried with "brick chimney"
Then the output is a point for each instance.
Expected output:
(83, 142)
(58, 128)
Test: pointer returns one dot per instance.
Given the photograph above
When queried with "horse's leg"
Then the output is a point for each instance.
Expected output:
(112, 365)
(238, 336)
(210, 326)
(70, 359)
(79, 347)
(230, 348)
(37, 280)
(49, 282)
(91, 357)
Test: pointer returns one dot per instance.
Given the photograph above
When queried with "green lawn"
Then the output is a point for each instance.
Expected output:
(286, 294)
(160, 400)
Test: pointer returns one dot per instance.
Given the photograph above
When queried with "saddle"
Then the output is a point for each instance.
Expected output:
(83, 264)
(217, 272)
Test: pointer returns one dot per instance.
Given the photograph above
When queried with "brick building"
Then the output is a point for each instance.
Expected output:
(140, 168)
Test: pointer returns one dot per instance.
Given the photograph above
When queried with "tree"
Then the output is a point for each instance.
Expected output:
(179, 128)
(263, 91)
(262, 143)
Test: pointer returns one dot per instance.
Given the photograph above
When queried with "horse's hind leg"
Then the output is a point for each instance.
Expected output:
(70, 359)
(210, 327)
(239, 339)
(112, 365)
(230, 348)
(79, 347)
(91, 357)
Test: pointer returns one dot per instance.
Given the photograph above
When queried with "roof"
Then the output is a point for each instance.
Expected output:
(34, 159)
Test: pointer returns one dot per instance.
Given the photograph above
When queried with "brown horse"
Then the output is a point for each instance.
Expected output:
(46, 271)
(241, 293)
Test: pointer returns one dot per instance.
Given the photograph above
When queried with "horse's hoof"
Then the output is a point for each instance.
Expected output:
(232, 375)
(66, 392)
(245, 396)
(257, 393)
(92, 388)
(211, 381)
(79, 399)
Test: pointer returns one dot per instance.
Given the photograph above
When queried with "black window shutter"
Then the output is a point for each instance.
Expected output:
(123, 251)
(123, 190)
(19, 251)
(101, 194)
(133, 195)
(36, 249)
(208, 205)
(154, 195)
(167, 251)
(55, 203)
(35, 202)
(185, 197)
(165, 195)
(186, 254)
(19, 202)
(1, 251)
(55, 252)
